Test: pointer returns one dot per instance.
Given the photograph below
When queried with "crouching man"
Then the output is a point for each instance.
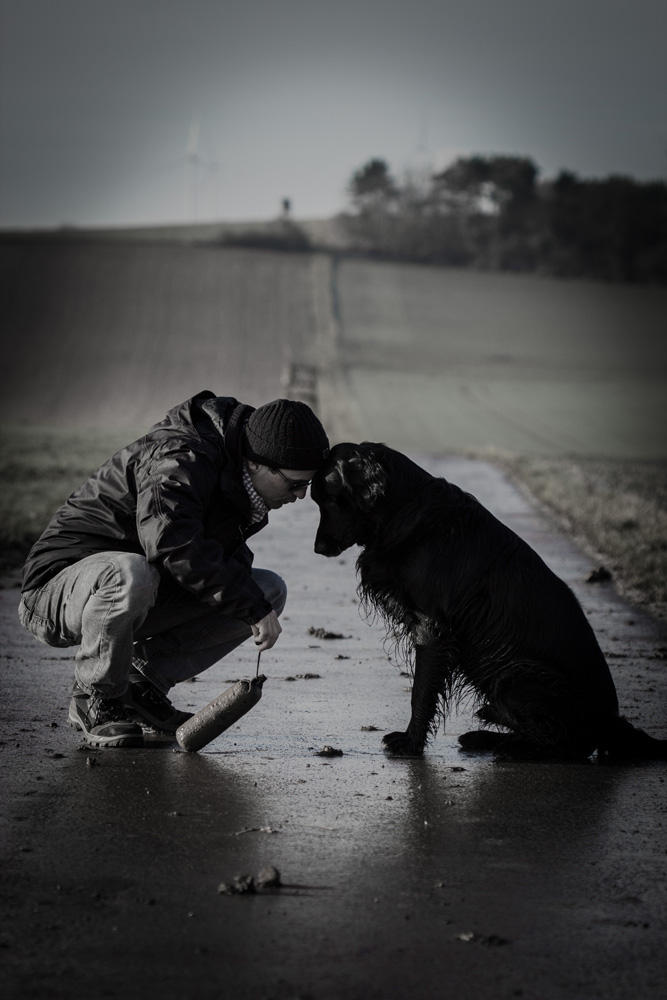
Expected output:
(146, 566)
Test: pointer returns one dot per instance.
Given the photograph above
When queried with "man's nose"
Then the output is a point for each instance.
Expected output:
(300, 494)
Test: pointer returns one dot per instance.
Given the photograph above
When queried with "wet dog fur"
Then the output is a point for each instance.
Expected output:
(476, 608)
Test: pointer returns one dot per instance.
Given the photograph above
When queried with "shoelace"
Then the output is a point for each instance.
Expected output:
(110, 710)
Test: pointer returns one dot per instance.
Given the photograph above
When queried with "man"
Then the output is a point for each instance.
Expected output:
(146, 566)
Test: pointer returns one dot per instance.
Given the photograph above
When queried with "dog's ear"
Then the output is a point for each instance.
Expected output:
(364, 476)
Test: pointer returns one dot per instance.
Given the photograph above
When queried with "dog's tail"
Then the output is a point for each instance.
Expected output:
(622, 739)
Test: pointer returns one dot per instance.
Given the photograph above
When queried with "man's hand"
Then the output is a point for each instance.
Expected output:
(266, 631)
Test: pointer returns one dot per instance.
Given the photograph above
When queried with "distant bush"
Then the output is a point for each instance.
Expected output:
(281, 235)
(493, 213)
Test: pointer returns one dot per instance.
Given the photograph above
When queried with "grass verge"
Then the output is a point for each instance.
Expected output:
(39, 468)
(617, 511)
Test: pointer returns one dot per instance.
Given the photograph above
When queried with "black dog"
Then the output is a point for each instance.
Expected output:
(477, 607)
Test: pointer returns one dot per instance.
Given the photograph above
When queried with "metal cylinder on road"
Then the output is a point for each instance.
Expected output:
(220, 714)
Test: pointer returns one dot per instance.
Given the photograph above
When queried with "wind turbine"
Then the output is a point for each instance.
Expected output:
(195, 161)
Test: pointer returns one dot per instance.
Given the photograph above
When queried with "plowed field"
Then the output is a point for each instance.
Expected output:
(427, 359)
(442, 360)
(114, 335)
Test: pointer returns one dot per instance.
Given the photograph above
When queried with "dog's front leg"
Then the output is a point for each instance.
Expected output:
(431, 665)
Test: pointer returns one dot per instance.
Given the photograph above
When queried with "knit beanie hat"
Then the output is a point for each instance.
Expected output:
(285, 434)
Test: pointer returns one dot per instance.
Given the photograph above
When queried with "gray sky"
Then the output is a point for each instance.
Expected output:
(98, 98)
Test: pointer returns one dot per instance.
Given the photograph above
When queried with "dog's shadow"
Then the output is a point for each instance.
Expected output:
(516, 813)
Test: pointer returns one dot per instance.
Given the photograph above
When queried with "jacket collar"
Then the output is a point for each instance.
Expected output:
(231, 431)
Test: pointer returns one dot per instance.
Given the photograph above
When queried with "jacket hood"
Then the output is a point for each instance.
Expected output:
(210, 415)
(218, 410)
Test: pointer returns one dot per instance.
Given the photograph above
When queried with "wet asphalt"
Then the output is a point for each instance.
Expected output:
(449, 876)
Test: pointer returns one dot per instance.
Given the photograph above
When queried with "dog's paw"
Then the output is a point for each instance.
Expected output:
(401, 745)
(481, 740)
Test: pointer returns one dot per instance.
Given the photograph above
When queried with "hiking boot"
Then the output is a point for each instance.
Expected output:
(151, 708)
(104, 722)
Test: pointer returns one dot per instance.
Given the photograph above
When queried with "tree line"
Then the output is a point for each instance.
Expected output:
(494, 212)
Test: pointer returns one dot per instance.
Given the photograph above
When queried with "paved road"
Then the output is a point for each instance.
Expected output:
(447, 876)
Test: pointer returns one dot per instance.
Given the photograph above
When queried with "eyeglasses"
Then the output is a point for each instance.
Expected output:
(294, 485)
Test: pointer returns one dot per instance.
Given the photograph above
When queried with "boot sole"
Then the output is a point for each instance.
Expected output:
(105, 741)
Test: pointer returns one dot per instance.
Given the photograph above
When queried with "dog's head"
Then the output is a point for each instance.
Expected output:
(348, 490)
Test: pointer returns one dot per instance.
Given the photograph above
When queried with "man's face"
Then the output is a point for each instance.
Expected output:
(279, 486)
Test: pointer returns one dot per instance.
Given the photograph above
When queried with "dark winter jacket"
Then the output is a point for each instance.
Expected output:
(176, 496)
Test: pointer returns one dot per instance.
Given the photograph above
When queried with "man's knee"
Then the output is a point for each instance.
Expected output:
(133, 575)
(274, 587)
